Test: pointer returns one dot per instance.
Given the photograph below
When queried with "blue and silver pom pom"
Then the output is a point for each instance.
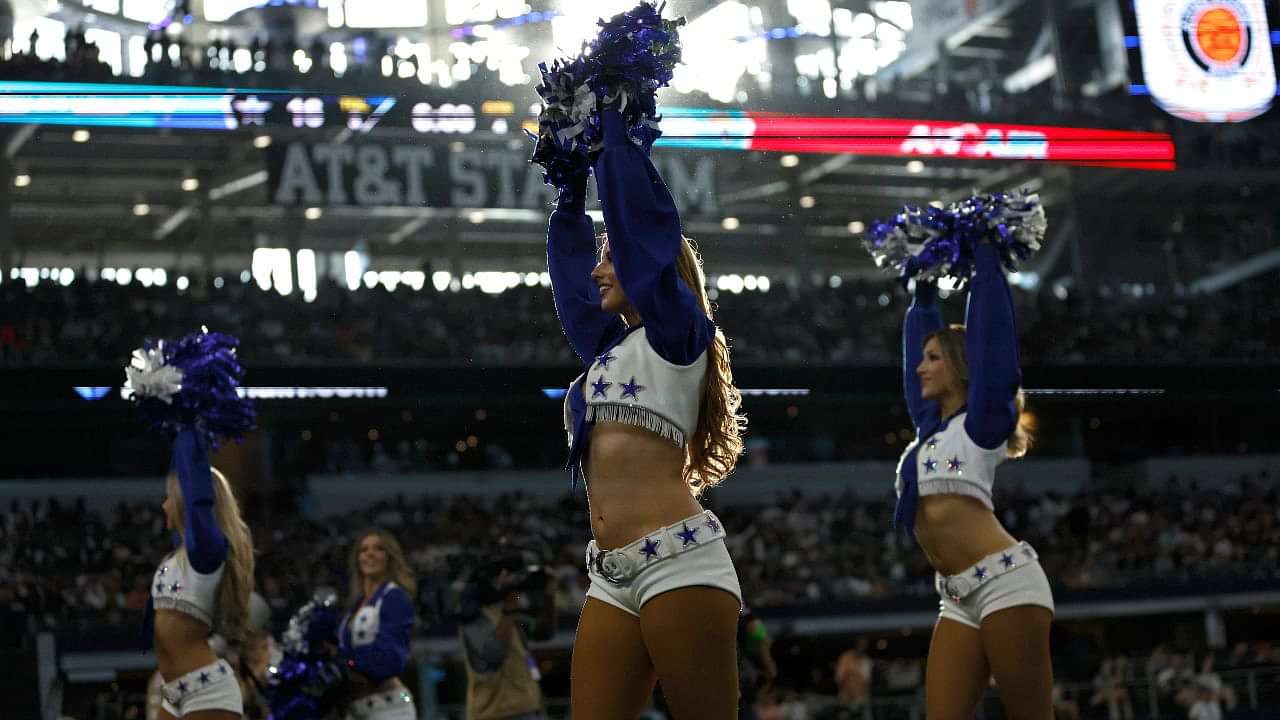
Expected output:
(308, 683)
(634, 54)
(191, 383)
(929, 243)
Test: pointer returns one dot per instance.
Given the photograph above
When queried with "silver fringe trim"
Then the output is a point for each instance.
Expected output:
(638, 416)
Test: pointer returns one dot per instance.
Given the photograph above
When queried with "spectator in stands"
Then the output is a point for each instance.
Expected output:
(1175, 682)
(1210, 679)
(853, 676)
(1111, 688)
(1204, 702)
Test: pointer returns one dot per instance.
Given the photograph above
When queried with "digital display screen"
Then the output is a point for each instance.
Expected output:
(1204, 60)
(228, 109)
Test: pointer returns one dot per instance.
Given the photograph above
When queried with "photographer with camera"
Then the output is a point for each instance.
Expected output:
(514, 603)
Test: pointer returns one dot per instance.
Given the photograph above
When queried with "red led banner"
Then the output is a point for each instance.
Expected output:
(977, 141)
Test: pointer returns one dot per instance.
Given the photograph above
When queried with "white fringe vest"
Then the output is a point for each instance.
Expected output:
(632, 384)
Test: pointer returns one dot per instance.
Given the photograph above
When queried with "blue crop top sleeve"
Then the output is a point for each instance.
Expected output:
(206, 545)
(991, 347)
(923, 318)
(387, 655)
(643, 224)
(571, 256)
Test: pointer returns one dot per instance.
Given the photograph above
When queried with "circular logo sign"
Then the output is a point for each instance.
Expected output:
(1217, 35)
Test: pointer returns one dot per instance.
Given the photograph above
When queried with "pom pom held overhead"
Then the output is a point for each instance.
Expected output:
(191, 383)
(929, 243)
(633, 55)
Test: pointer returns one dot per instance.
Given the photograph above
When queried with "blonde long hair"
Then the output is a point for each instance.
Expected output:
(237, 582)
(951, 341)
(398, 570)
(713, 451)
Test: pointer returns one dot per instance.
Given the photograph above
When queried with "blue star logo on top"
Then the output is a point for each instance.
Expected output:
(930, 465)
(954, 464)
(650, 548)
(688, 535)
(599, 388)
(713, 525)
(604, 360)
(204, 678)
(1007, 560)
(932, 442)
(980, 573)
(632, 388)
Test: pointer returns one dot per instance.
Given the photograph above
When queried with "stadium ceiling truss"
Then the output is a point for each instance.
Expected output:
(82, 199)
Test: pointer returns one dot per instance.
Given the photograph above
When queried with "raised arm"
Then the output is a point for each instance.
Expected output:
(206, 545)
(645, 240)
(386, 656)
(571, 256)
(923, 317)
(991, 347)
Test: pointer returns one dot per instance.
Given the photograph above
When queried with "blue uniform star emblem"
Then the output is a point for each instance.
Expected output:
(688, 535)
(632, 388)
(604, 360)
(930, 465)
(713, 525)
(1007, 560)
(954, 464)
(182, 687)
(599, 388)
(650, 548)
(204, 678)
(932, 443)
(980, 573)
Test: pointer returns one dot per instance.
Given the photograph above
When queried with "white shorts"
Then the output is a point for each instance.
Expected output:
(690, 553)
(212, 687)
(394, 704)
(1009, 578)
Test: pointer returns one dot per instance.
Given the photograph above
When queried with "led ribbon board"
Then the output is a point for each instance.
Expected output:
(884, 137)
(225, 109)
(1207, 60)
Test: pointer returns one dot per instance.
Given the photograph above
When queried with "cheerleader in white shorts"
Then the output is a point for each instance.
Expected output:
(962, 390)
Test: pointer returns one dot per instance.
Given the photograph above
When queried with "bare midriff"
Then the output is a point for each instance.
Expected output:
(635, 484)
(182, 644)
(956, 531)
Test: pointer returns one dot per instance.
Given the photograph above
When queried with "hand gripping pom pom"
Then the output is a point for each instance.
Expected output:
(929, 243)
(633, 55)
(190, 383)
(308, 683)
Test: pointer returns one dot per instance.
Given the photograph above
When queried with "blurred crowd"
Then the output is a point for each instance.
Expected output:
(859, 322)
(62, 565)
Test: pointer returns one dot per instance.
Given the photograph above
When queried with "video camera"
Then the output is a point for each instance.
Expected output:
(516, 576)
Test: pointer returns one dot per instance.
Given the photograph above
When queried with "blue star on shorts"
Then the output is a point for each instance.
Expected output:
(688, 535)
(650, 548)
